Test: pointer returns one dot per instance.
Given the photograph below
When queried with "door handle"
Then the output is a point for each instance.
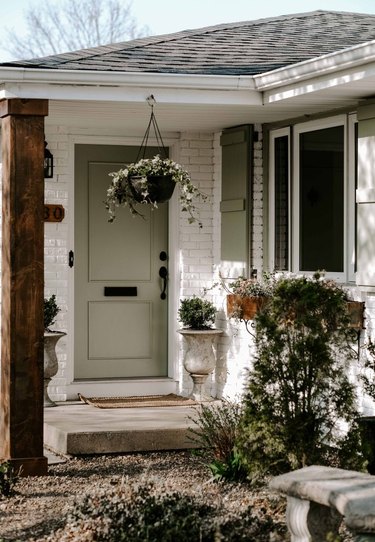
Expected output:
(71, 258)
(163, 273)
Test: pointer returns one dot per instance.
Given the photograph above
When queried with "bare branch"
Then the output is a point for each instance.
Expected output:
(56, 27)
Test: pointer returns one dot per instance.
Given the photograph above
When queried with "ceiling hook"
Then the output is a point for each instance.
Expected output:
(151, 100)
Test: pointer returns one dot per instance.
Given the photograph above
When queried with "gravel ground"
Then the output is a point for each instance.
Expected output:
(39, 509)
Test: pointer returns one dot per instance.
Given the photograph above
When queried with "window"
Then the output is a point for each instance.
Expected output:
(312, 216)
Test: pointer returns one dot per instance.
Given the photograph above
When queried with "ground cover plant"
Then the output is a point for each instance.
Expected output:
(127, 496)
(298, 398)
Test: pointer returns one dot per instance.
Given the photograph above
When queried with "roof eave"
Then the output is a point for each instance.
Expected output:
(126, 86)
(315, 74)
(110, 78)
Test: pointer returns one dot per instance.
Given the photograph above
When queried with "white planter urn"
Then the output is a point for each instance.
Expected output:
(200, 358)
(51, 365)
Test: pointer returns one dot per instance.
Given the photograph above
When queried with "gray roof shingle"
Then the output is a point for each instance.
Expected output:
(244, 48)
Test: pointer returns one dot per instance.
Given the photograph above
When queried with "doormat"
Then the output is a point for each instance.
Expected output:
(138, 402)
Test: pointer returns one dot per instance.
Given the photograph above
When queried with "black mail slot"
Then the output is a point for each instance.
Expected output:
(130, 291)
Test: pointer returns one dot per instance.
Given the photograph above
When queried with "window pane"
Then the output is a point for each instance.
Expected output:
(281, 203)
(322, 200)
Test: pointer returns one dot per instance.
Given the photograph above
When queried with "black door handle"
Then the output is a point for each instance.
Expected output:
(163, 273)
(71, 258)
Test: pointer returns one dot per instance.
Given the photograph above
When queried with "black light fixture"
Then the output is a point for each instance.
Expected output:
(48, 162)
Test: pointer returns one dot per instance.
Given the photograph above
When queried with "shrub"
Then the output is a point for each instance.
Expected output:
(298, 394)
(137, 514)
(8, 478)
(216, 433)
(197, 313)
(149, 513)
(368, 377)
(51, 310)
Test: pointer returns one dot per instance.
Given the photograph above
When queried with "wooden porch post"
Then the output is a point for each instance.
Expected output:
(22, 291)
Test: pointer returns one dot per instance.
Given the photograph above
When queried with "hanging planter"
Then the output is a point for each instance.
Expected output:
(245, 307)
(151, 181)
(160, 188)
(247, 296)
(356, 314)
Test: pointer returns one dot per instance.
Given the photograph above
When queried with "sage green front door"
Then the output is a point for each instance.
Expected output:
(120, 319)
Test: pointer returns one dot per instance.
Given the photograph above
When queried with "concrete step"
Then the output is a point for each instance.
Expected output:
(76, 429)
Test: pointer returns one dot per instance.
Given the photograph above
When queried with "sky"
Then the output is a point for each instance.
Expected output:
(167, 16)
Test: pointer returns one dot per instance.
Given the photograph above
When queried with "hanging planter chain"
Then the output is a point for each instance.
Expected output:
(151, 180)
(159, 140)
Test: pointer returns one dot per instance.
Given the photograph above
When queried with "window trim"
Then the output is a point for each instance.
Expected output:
(351, 209)
(275, 134)
(348, 121)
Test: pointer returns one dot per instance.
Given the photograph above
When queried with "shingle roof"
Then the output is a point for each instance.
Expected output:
(244, 48)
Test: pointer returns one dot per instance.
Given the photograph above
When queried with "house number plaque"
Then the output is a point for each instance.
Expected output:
(53, 213)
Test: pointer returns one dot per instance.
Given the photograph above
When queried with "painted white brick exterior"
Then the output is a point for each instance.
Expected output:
(197, 252)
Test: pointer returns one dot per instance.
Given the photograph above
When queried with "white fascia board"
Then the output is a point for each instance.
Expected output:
(130, 94)
(103, 78)
(120, 86)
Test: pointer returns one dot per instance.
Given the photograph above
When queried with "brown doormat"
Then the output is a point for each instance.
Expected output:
(137, 402)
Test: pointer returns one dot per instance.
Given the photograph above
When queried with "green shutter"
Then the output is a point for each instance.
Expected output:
(235, 207)
(365, 197)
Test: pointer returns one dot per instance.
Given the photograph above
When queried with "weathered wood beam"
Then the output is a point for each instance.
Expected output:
(22, 292)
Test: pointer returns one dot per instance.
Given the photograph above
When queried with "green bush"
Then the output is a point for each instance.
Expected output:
(216, 435)
(298, 394)
(8, 478)
(368, 377)
(197, 313)
(51, 310)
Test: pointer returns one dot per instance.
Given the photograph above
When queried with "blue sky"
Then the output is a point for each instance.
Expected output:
(166, 16)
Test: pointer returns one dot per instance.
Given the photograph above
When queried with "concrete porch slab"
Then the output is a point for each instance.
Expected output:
(76, 429)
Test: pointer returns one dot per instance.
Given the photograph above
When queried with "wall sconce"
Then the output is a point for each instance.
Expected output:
(48, 162)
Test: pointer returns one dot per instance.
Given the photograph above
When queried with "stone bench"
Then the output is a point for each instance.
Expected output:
(319, 498)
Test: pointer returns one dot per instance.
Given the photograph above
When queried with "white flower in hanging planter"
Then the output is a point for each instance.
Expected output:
(151, 181)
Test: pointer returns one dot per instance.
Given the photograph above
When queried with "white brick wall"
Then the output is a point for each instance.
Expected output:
(57, 190)
(235, 348)
(196, 250)
(199, 256)
(200, 153)
(258, 211)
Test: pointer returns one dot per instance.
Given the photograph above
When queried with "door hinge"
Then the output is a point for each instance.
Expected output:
(71, 258)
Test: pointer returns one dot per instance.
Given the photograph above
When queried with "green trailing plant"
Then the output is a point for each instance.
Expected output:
(197, 313)
(8, 479)
(298, 396)
(216, 433)
(51, 310)
(120, 194)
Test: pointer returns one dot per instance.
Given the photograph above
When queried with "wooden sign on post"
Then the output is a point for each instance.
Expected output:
(53, 212)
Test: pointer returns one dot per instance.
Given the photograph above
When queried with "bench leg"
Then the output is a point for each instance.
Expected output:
(310, 522)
